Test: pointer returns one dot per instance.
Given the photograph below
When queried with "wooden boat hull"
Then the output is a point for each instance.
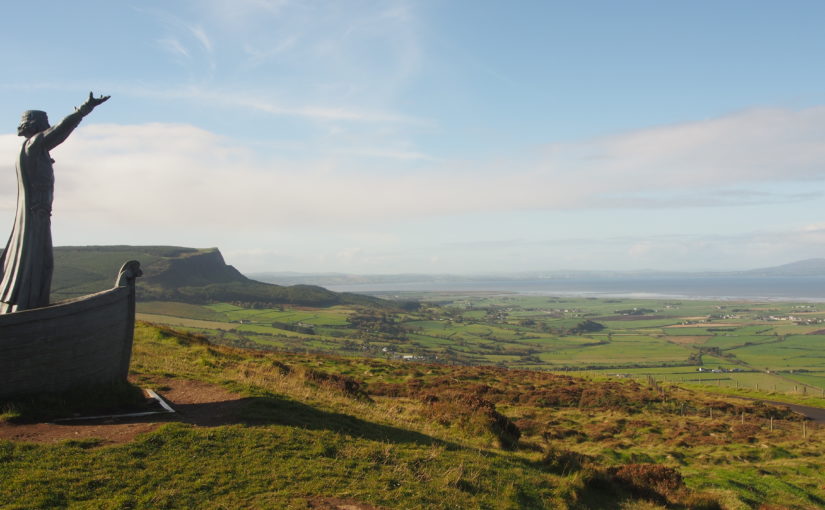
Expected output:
(78, 342)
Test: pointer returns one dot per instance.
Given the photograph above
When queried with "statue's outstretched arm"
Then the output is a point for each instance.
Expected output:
(58, 133)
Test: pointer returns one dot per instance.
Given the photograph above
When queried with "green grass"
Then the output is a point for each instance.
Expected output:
(729, 340)
(534, 332)
(171, 320)
(815, 379)
(620, 350)
(794, 352)
(275, 466)
(299, 438)
(176, 309)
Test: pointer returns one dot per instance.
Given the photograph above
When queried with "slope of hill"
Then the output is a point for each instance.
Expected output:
(181, 274)
(308, 431)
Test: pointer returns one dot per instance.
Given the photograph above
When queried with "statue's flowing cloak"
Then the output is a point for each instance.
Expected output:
(27, 263)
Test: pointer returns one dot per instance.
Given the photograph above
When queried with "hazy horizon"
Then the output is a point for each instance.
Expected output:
(530, 271)
(376, 137)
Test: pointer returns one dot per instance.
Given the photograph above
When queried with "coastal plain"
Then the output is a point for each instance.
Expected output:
(727, 345)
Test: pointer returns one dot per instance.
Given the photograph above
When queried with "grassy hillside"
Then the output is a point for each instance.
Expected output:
(181, 274)
(312, 429)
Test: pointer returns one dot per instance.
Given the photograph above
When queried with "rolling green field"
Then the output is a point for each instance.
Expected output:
(755, 346)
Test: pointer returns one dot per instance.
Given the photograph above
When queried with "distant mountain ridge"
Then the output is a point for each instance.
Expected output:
(809, 267)
(173, 273)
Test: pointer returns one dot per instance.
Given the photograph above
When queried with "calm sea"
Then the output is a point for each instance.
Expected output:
(725, 288)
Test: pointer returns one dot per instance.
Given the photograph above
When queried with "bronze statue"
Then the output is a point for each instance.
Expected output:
(27, 263)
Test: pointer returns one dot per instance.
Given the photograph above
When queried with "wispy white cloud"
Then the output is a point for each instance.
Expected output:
(201, 36)
(719, 197)
(9, 148)
(341, 68)
(241, 12)
(683, 164)
(370, 49)
(321, 112)
(258, 55)
(253, 102)
(745, 249)
(183, 39)
(728, 160)
(139, 176)
(173, 46)
(388, 154)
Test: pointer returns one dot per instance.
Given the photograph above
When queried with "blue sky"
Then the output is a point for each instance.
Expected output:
(431, 136)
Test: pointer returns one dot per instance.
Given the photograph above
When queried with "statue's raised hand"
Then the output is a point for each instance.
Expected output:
(90, 103)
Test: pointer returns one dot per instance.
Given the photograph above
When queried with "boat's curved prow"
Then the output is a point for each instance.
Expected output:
(78, 342)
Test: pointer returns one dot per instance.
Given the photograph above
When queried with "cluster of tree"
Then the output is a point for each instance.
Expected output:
(298, 328)
(454, 313)
(377, 324)
(714, 351)
(496, 314)
(586, 326)
(635, 311)
(582, 327)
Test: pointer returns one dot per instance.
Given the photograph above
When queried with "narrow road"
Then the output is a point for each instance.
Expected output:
(816, 414)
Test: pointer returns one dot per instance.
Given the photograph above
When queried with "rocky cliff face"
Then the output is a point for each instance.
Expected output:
(193, 269)
(84, 269)
(172, 273)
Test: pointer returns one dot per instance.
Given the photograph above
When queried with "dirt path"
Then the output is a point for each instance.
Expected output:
(195, 402)
(324, 503)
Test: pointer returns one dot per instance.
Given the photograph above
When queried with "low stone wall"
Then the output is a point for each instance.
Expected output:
(79, 342)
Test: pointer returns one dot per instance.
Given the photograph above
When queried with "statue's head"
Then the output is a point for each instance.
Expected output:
(32, 122)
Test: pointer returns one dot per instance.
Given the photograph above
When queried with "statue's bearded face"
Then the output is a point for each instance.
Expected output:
(32, 122)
